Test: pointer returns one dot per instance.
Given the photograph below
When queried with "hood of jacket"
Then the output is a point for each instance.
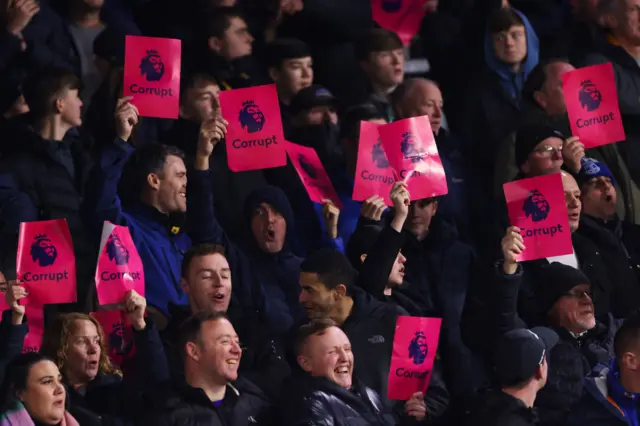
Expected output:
(512, 81)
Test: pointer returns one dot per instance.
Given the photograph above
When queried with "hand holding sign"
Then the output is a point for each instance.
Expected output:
(126, 116)
(135, 306)
(331, 214)
(212, 131)
(416, 407)
(401, 200)
(15, 293)
(373, 208)
(512, 248)
(573, 153)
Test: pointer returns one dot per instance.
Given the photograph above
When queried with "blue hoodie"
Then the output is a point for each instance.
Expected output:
(161, 249)
(512, 82)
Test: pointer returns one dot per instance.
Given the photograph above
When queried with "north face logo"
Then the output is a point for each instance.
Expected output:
(418, 348)
(308, 168)
(151, 66)
(589, 96)
(391, 6)
(536, 206)
(43, 251)
(378, 156)
(251, 117)
(116, 251)
(410, 149)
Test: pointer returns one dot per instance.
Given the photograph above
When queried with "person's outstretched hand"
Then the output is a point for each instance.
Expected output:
(331, 214)
(212, 131)
(135, 306)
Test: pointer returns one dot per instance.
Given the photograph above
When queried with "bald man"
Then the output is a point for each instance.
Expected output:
(416, 97)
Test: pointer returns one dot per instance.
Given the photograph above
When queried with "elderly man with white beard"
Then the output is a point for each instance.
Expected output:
(564, 295)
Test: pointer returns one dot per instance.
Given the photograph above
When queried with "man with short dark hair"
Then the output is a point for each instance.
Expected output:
(328, 283)
(212, 392)
(521, 366)
(199, 102)
(380, 54)
(43, 176)
(228, 51)
(207, 282)
(612, 391)
(153, 186)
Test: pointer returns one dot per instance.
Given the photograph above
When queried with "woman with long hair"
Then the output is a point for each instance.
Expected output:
(77, 344)
(34, 394)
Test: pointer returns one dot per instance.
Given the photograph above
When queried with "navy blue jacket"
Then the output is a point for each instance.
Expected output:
(263, 282)
(160, 249)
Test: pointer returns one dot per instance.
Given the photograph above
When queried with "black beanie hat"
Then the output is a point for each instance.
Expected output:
(556, 280)
(273, 196)
(531, 135)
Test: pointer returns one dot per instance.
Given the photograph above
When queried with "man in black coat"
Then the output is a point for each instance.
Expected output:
(522, 368)
(212, 393)
(618, 240)
(206, 280)
(326, 392)
(329, 289)
(563, 294)
(45, 171)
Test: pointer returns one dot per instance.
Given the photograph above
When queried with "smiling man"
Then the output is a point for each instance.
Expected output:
(213, 392)
(207, 282)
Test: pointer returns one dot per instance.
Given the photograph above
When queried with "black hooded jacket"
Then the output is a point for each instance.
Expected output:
(496, 408)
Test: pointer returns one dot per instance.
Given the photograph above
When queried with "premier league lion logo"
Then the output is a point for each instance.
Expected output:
(151, 66)
(116, 251)
(308, 168)
(391, 6)
(251, 118)
(536, 206)
(418, 348)
(378, 156)
(589, 96)
(409, 148)
(43, 251)
(117, 342)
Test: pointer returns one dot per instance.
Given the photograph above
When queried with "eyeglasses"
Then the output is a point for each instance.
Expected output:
(579, 294)
(548, 150)
(544, 352)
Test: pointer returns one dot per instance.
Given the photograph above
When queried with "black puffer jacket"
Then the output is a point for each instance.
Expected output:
(569, 361)
(243, 404)
(320, 402)
(496, 408)
(619, 243)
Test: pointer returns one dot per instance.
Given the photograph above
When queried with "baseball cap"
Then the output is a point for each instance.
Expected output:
(520, 352)
(527, 137)
(311, 97)
(592, 168)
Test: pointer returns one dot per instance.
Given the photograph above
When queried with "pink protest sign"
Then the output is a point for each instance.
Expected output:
(255, 139)
(374, 176)
(312, 173)
(403, 17)
(415, 344)
(592, 104)
(537, 206)
(35, 319)
(119, 334)
(45, 264)
(411, 149)
(152, 75)
(119, 266)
